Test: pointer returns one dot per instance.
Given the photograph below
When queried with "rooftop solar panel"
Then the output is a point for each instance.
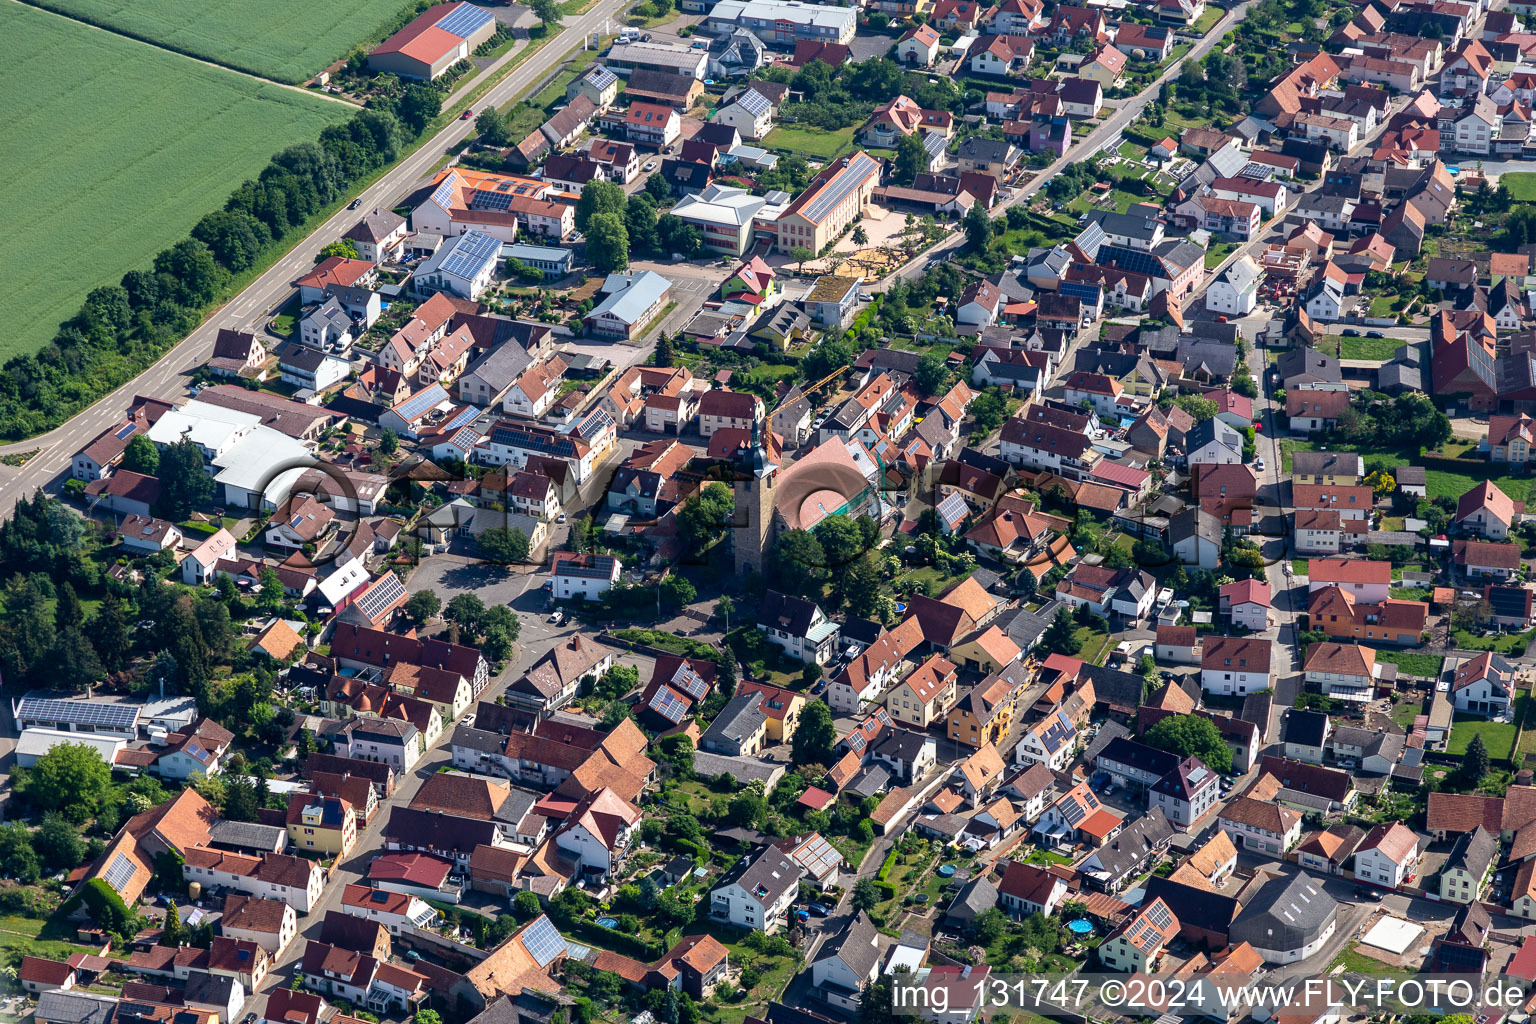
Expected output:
(81, 712)
(666, 703)
(837, 189)
(443, 194)
(542, 941)
(465, 21)
(421, 401)
(463, 416)
(120, 872)
(471, 253)
(126, 430)
(600, 77)
(378, 597)
(753, 102)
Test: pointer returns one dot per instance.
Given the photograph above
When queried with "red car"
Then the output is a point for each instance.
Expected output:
(468, 113)
(1258, 426)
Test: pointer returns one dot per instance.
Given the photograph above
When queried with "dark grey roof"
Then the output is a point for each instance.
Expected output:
(1192, 521)
(977, 896)
(871, 780)
(74, 1007)
(1307, 728)
(1131, 754)
(1308, 364)
(1473, 852)
(501, 366)
(209, 989)
(1123, 689)
(989, 150)
(1314, 463)
(1287, 913)
(1209, 911)
(771, 873)
(858, 946)
(1135, 843)
(244, 835)
(744, 769)
(1216, 358)
(900, 745)
(375, 226)
(741, 717)
(1213, 429)
(1126, 224)
(792, 614)
(1110, 731)
(1256, 709)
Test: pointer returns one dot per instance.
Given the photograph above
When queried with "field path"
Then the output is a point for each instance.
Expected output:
(316, 93)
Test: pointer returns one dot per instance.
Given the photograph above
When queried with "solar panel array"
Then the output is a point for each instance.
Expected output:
(690, 682)
(464, 21)
(836, 190)
(952, 510)
(1073, 811)
(543, 942)
(818, 855)
(443, 194)
(600, 77)
(126, 430)
(488, 199)
(753, 102)
(1159, 914)
(80, 712)
(421, 401)
(378, 597)
(463, 416)
(119, 872)
(471, 253)
(666, 703)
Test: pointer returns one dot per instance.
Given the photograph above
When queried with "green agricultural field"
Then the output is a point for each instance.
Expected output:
(288, 40)
(115, 150)
(1521, 185)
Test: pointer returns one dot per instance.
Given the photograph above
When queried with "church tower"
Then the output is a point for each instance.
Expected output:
(754, 487)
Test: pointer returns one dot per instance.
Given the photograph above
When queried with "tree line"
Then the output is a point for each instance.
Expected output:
(122, 328)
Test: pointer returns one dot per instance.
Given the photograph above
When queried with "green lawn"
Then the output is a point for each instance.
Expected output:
(1498, 737)
(1096, 646)
(1409, 594)
(810, 142)
(1404, 714)
(1501, 643)
(1356, 962)
(1369, 348)
(1206, 21)
(1442, 484)
(115, 150)
(1425, 665)
(1299, 566)
(1521, 185)
(23, 936)
(1218, 252)
(288, 40)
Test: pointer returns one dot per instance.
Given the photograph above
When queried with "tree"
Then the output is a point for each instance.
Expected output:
(418, 106)
(422, 606)
(389, 442)
(71, 779)
(607, 241)
(171, 931)
(1199, 408)
(641, 225)
(344, 247)
(978, 228)
(990, 925)
(1028, 585)
(860, 236)
(911, 158)
(725, 605)
(547, 11)
(1474, 766)
(192, 271)
(108, 632)
(527, 905)
(501, 544)
(270, 600)
(657, 188)
(747, 809)
(866, 894)
(1191, 736)
(141, 455)
(800, 254)
(184, 485)
(1381, 482)
(815, 735)
(466, 611)
(665, 356)
(67, 611)
(863, 589)
(704, 516)
(240, 800)
(677, 591)
(57, 842)
(491, 128)
(988, 411)
(932, 373)
(429, 1016)
(17, 858)
(1060, 637)
(599, 197)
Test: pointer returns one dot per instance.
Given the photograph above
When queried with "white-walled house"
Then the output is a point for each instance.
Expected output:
(1236, 291)
(1483, 685)
(1388, 857)
(1234, 666)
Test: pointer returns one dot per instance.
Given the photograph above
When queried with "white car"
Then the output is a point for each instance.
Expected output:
(560, 519)
(557, 616)
(650, 165)
(1258, 463)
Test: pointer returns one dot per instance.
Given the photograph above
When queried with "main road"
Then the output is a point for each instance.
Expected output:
(166, 377)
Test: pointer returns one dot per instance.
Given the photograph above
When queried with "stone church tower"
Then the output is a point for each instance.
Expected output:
(754, 487)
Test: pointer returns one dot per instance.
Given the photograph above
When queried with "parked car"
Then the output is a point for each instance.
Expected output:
(1365, 893)
(820, 909)
(557, 616)
(650, 165)
(1374, 334)
(1350, 332)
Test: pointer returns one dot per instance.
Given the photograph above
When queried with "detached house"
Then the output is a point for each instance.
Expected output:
(1234, 666)
(798, 627)
(1388, 857)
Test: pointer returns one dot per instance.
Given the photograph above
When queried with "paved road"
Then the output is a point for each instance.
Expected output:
(1128, 111)
(166, 378)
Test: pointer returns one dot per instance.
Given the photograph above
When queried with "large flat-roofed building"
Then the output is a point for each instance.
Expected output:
(434, 41)
(551, 261)
(832, 201)
(674, 60)
(785, 21)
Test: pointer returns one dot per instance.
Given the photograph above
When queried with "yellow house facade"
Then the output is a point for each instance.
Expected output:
(321, 824)
(984, 714)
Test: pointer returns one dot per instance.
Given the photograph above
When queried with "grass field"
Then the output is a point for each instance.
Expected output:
(1425, 665)
(115, 150)
(1521, 185)
(1498, 737)
(1369, 348)
(1356, 962)
(288, 40)
(809, 142)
